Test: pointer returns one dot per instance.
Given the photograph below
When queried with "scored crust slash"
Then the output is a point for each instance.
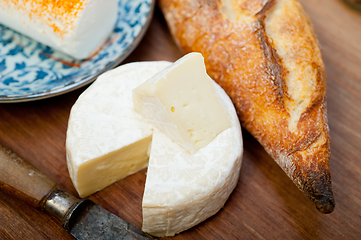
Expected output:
(267, 58)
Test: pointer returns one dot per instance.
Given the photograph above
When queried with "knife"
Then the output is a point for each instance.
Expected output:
(82, 218)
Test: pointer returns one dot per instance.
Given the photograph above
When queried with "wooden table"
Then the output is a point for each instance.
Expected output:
(265, 203)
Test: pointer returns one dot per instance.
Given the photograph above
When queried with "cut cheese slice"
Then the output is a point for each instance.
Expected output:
(182, 189)
(76, 27)
(181, 101)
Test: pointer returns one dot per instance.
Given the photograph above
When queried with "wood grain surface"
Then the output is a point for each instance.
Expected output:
(265, 203)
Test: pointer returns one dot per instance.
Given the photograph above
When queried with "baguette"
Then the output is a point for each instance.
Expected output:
(267, 58)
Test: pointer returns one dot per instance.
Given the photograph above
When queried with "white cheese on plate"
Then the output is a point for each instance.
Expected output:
(182, 189)
(76, 27)
(181, 101)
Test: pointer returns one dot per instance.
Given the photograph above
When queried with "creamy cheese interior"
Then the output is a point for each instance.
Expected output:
(100, 172)
(181, 101)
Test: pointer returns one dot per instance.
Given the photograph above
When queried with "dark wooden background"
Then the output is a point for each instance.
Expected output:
(265, 203)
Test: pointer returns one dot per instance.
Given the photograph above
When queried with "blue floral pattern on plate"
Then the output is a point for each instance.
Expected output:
(30, 70)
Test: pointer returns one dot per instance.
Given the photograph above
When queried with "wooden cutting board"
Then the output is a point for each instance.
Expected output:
(265, 203)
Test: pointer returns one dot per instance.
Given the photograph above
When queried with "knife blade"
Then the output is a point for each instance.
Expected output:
(82, 218)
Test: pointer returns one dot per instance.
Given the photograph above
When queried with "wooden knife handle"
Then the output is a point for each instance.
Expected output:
(21, 179)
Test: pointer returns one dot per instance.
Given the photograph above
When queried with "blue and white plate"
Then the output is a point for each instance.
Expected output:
(30, 70)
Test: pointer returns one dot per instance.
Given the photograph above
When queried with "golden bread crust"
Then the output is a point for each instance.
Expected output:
(267, 58)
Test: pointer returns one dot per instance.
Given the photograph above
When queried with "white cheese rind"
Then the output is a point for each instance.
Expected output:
(181, 101)
(104, 126)
(78, 34)
(182, 189)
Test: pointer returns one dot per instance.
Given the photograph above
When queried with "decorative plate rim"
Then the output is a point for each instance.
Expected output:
(90, 78)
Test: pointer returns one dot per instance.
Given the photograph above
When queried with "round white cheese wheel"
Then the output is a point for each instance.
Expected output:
(107, 140)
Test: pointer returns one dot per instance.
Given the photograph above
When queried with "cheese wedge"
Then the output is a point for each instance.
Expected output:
(75, 27)
(181, 102)
(107, 140)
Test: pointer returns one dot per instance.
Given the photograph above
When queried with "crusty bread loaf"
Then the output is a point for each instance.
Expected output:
(266, 56)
